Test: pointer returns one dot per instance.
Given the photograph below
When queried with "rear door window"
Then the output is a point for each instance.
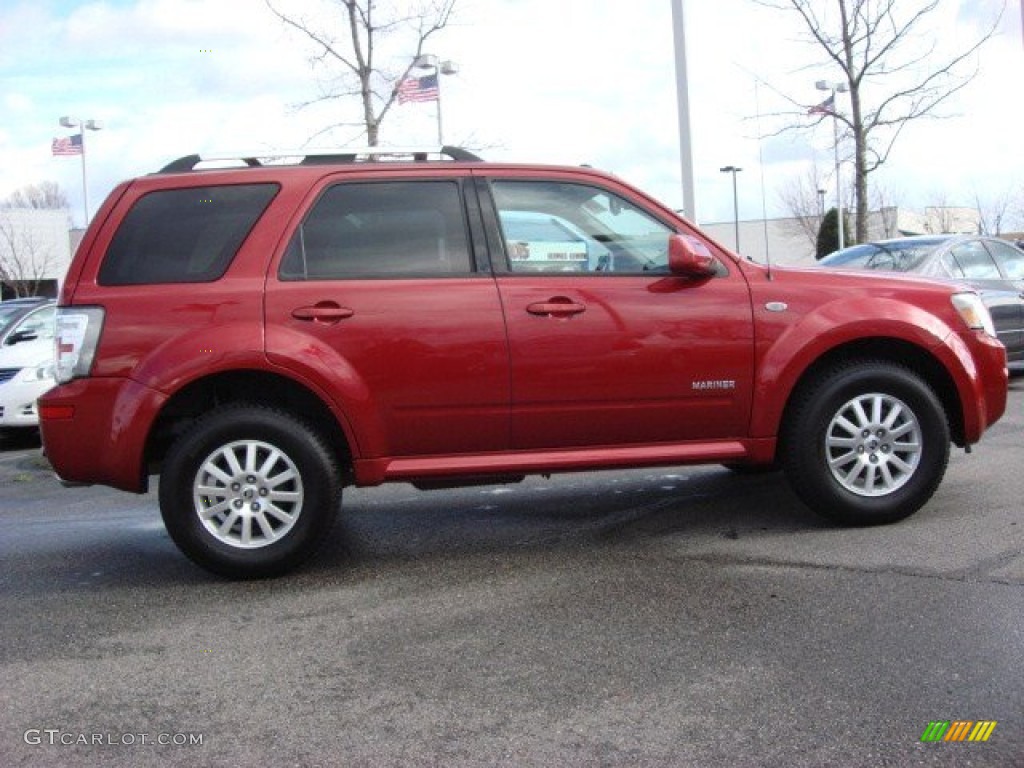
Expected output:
(185, 235)
(1010, 259)
(975, 262)
(381, 229)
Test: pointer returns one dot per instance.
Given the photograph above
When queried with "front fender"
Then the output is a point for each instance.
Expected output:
(786, 350)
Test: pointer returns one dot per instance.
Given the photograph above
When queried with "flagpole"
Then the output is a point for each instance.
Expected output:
(82, 126)
(837, 87)
(839, 178)
(85, 184)
(429, 61)
(440, 133)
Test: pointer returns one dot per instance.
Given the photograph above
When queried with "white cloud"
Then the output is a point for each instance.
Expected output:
(575, 81)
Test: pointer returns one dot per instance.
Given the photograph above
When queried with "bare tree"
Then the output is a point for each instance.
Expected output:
(803, 199)
(894, 72)
(25, 260)
(944, 216)
(1017, 221)
(993, 213)
(44, 195)
(369, 51)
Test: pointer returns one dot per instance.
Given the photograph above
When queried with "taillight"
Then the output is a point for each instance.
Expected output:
(78, 334)
(56, 412)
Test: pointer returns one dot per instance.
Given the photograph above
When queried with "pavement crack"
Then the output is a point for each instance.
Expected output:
(975, 574)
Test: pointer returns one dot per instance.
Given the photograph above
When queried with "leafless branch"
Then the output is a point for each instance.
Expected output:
(367, 27)
(876, 43)
(24, 261)
(44, 195)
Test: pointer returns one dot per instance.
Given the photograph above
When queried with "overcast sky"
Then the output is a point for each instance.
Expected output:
(559, 81)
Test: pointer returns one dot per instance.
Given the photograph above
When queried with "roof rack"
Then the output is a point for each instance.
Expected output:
(259, 158)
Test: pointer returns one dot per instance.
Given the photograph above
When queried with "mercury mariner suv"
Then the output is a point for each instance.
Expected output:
(262, 333)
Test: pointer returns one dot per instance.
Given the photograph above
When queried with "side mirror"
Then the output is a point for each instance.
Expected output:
(689, 257)
(19, 336)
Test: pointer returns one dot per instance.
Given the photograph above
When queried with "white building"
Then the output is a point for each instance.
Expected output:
(35, 250)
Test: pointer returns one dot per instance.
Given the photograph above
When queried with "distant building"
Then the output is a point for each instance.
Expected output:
(791, 241)
(35, 251)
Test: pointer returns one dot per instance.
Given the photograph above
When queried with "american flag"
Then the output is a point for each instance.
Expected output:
(827, 107)
(418, 89)
(69, 145)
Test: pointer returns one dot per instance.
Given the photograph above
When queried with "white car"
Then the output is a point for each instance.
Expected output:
(19, 390)
(26, 367)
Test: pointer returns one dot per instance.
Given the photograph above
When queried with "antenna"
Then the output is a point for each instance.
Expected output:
(760, 162)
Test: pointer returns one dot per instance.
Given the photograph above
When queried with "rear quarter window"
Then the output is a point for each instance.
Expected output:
(183, 235)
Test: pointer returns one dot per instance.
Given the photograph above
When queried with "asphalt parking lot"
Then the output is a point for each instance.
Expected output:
(684, 617)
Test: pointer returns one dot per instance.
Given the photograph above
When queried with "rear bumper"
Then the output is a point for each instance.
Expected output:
(94, 431)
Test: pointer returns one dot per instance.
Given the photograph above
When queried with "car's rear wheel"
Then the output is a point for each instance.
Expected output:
(865, 443)
(249, 492)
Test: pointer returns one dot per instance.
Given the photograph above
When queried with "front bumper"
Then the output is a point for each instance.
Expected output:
(18, 402)
(990, 380)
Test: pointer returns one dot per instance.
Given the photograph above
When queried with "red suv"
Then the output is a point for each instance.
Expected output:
(262, 335)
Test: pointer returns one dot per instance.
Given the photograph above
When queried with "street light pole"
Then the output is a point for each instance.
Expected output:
(429, 61)
(840, 87)
(92, 125)
(683, 105)
(735, 203)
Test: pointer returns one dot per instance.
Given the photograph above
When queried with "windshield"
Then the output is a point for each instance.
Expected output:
(893, 256)
(8, 316)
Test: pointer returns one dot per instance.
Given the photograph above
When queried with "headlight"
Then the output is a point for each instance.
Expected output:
(45, 371)
(40, 372)
(974, 312)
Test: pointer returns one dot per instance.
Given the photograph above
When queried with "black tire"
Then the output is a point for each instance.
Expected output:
(873, 474)
(256, 523)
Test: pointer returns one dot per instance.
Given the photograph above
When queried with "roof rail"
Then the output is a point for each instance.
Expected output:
(323, 157)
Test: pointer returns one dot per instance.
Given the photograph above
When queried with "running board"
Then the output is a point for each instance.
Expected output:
(377, 471)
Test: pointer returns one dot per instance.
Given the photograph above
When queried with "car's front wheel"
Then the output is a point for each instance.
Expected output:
(249, 492)
(865, 443)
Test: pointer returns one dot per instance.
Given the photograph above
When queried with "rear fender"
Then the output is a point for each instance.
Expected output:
(323, 370)
(200, 351)
(198, 354)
